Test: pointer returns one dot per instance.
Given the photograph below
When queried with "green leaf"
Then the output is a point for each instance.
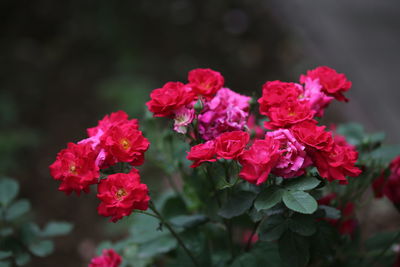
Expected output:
(272, 228)
(5, 254)
(302, 183)
(303, 224)
(22, 258)
(386, 153)
(41, 248)
(5, 264)
(8, 190)
(294, 249)
(237, 203)
(330, 212)
(353, 132)
(6, 231)
(300, 201)
(268, 198)
(56, 229)
(146, 228)
(160, 245)
(17, 209)
(262, 254)
(188, 221)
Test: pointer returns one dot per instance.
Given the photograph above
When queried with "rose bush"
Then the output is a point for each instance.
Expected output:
(282, 195)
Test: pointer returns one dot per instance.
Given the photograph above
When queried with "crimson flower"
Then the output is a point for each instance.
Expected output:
(120, 194)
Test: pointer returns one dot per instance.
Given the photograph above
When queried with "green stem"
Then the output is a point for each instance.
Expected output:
(174, 234)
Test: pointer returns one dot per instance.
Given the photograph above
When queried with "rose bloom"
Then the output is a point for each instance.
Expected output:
(123, 143)
(276, 93)
(333, 83)
(109, 258)
(182, 119)
(111, 120)
(313, 94)
(378, 185)
(202, 153)
(75, 167)
(227, 111)
(116, 119)
(258, 161)
(337, 163)
(288, 114)
(205, 82)
(313, 136)
(392, 186)
(293, 159)
(231, 144)
(120, 194)
(168, 99)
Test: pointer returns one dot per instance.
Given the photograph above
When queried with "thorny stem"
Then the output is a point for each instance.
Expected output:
(175, 235)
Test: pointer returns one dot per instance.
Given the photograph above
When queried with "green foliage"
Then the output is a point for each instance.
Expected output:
(300, 201)
(215, 206)
(20, 239)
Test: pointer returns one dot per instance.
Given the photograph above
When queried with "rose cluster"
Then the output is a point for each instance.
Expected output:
(115, 140)
(202, 105)
(221, 124)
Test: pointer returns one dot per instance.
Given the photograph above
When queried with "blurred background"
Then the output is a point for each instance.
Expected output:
(65, 64)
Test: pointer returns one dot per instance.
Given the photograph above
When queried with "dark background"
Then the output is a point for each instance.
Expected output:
(64, 64)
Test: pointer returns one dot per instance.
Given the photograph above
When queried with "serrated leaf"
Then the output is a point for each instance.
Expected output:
(268, 198)
(56, 229)
(302, 183)
(272, 228)
(303, 225)
(300, 201)
(262, 254)
(294, 249)
(237, 204)
(41, 248)
(17, 209)
(8, 190)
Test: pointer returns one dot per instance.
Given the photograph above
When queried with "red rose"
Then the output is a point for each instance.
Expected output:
(276, 93)
(172, 96)
(230, 145)
(258, 161)
(392, 186)
(111, 120)
(202, 153)
(124, 143)
(333, 83)
(205, 82)
(337, 163)
(109, 258)
(288, 114)
(75, 167)
(313, 136)
(120, 194)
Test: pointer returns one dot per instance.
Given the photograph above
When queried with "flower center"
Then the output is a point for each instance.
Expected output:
(125, 144)
(72, 169)
(120, 194)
